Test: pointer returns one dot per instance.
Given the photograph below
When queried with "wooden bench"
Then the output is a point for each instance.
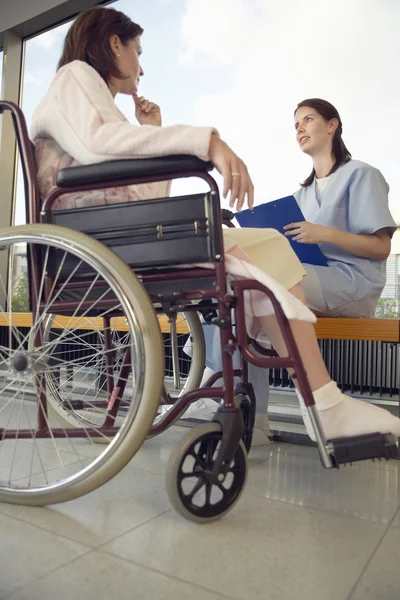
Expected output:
(87, 323)
(381, 330)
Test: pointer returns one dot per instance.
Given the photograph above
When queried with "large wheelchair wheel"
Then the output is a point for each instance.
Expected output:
(67, 386)
(87, 287)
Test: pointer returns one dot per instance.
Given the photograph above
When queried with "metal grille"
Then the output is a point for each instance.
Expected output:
(76, 352)
(184, 359)
(361, 367)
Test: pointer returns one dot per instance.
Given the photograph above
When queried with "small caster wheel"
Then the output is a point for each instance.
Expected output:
(190, 489)
(248, 419)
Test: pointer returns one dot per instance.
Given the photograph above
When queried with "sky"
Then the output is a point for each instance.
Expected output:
(243, 65)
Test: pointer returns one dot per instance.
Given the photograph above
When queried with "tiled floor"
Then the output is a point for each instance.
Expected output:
(299, 532)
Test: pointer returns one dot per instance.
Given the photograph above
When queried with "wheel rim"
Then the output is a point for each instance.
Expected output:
(188, 326)
(45, 467)
(198, 494)
(76, 414)
(191, 368)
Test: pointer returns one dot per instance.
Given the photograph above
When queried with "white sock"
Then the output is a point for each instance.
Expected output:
(342, 416)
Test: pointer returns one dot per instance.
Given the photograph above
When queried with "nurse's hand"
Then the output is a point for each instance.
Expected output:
(308, 233)
(236, 176)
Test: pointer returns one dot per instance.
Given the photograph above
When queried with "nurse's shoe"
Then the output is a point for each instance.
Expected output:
(262, 432)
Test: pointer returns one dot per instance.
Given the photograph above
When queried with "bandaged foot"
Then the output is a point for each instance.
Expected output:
(342, 416)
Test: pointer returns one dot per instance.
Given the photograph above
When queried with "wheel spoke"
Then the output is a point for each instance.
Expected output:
(198, 460)
(197, 487)
(208, 491)
(211, 447)
(226, 491)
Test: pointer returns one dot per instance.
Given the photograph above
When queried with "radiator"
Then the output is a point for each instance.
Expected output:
(361, 367)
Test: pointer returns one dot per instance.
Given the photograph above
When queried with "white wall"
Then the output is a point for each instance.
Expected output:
(396, 243)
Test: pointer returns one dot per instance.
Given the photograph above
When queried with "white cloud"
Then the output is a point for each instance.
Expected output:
(280, 53)
(215, 28)
(54, 36)
(33, 79)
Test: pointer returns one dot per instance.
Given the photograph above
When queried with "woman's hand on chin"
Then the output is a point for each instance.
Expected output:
(236, 177)
(146, 112)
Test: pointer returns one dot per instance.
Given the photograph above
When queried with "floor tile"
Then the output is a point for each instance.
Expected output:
(27, 553)
(396, 520)
(258, 454)
(263, 549)
(22, 458)
(154, 454)
(128, 500)
(365, 493)
(381, 580)
(97, 575)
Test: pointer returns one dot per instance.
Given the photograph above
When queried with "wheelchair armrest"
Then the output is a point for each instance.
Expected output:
(128, 169)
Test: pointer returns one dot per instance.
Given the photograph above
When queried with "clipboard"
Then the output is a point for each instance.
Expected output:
(276, 215)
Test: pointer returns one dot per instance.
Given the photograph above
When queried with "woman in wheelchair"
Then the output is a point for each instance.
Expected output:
(77, 122)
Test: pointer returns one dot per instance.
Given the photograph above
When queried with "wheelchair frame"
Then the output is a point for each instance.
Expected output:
(160, 286)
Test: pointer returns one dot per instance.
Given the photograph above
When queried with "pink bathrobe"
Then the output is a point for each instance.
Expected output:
(78, 122)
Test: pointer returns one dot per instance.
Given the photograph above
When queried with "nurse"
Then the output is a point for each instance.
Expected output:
(345, 205)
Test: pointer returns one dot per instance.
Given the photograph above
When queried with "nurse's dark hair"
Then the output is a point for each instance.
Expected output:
(328, 112)
(88, 40)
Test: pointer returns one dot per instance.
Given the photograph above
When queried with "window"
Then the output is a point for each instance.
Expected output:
(243, 66)
(1, 85)
(1, 72)
(41, 57)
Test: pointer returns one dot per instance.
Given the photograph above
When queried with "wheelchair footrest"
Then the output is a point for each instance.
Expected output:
(363, 447)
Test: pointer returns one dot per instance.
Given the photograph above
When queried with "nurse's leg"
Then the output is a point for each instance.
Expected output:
(340, 415)
(258, 377)
(315, 299)
(313, 293)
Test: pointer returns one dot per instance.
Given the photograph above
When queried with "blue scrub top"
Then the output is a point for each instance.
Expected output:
(355, 199)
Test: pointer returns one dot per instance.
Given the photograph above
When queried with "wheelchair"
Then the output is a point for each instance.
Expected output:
(84, 362)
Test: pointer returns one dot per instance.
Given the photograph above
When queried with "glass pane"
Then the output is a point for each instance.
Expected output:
(41, 57)
(1, 73)
(244, 70)
(1, 86)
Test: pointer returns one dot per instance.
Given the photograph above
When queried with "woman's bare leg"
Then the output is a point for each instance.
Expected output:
(306, 341)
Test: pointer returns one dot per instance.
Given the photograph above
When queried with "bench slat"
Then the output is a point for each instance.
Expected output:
(383, 330)
(89, 323)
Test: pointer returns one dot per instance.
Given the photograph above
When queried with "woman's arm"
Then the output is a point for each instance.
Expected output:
(372, 245)
(79, 113)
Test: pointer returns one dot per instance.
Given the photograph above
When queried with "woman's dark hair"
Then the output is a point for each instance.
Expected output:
(88, 40)
(328, 112)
